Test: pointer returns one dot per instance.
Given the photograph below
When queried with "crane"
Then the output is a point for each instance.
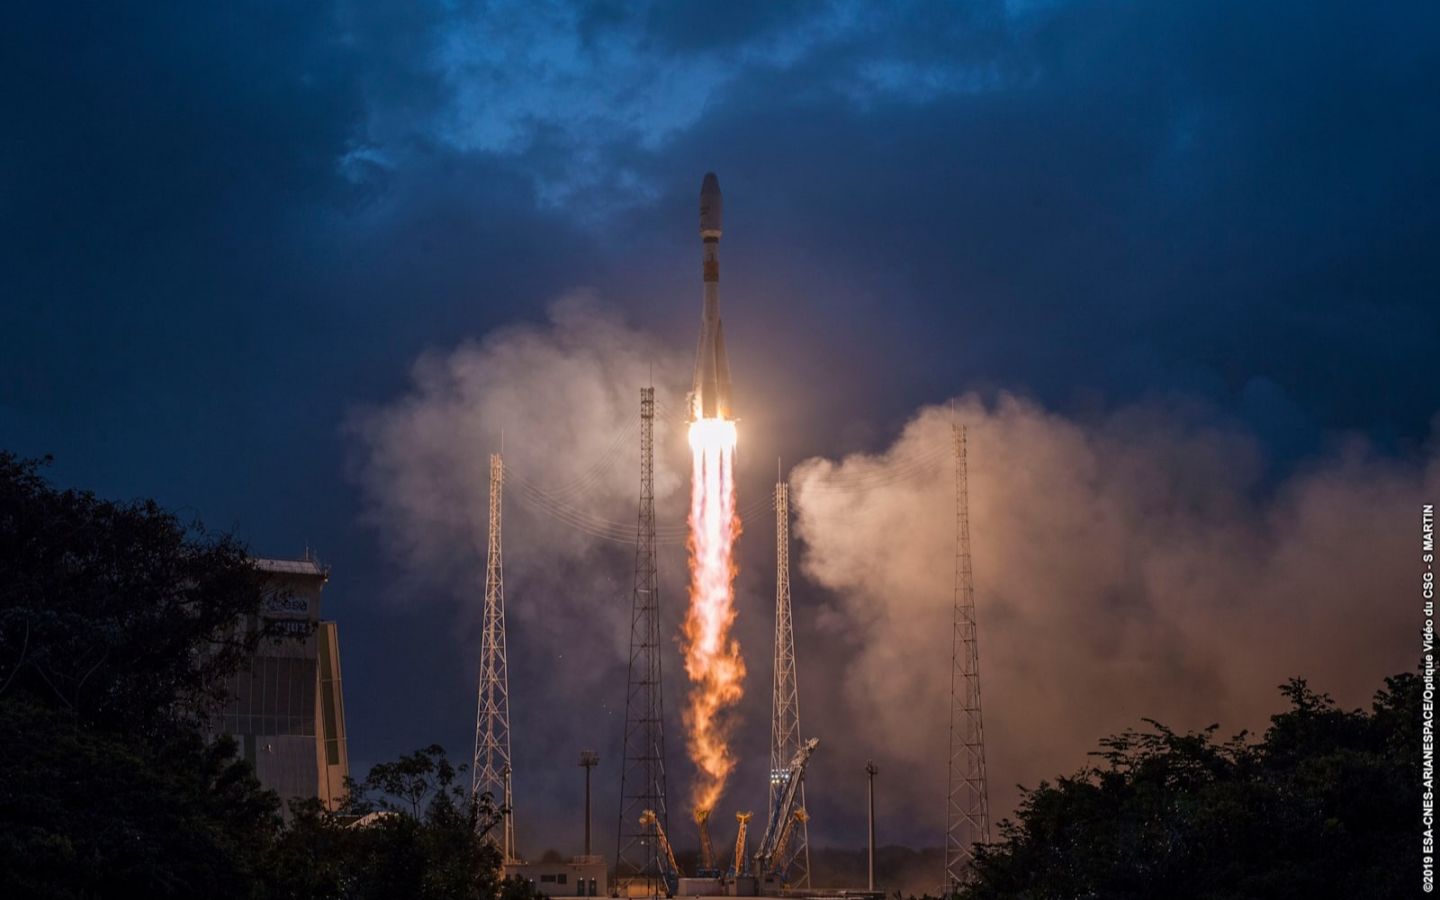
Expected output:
(769, 856)
(671, 870)
(737, 867)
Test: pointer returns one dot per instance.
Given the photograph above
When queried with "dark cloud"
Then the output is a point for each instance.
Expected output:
(223, 231)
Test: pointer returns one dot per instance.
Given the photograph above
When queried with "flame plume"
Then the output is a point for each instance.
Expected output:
(712, 656)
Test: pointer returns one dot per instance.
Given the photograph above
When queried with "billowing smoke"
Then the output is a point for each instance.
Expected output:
(564, 396)
(1140, 564)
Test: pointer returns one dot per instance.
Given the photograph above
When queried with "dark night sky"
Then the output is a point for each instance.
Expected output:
(227, 230)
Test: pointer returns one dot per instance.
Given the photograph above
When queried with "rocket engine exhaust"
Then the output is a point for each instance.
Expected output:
(712, 656)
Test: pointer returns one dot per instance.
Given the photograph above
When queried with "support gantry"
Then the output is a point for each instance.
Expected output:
(785, 698)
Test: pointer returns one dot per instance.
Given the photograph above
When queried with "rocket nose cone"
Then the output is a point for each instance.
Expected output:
(710, 205)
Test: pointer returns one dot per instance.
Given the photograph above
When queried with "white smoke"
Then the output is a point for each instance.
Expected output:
(1137, 565)
(564, 396)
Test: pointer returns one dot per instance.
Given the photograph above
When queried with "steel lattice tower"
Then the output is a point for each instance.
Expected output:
(490, 767)
(785, 700)
(968, 806)
(642, 769)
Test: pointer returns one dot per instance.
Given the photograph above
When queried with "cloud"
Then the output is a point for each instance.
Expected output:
(1134, 564)
(563, 396)
(1141, 562)
(604, 81)
(563, 400)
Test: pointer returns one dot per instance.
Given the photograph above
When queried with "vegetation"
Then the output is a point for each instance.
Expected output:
(410, 829)
(1325, 805)
(118, 628)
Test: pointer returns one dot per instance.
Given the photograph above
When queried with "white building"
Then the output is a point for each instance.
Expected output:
(286, 708)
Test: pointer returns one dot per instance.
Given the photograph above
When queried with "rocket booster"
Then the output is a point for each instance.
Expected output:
(710, 390)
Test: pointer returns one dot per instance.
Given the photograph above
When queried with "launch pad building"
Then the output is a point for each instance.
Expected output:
(286, 707)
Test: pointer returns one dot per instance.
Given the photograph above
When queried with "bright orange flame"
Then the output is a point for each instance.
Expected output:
(712, 656)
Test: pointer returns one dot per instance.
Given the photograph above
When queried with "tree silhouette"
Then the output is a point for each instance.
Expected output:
(1325, 805)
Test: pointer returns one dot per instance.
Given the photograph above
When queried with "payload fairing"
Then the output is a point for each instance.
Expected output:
(710, 390)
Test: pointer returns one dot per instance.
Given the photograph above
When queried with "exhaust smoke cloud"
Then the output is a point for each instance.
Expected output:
(1138, 563)
(565, 395)
(1134, 565)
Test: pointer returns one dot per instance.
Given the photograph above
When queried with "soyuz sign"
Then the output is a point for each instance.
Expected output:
(291, 626)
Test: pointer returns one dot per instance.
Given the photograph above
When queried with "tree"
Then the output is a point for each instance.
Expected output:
(428, 839)
(1323, 806)
(116, 612)
(89, 813)
(118, 625)
(410, 829)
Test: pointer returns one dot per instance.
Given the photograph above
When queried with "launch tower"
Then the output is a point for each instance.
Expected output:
(785, 703)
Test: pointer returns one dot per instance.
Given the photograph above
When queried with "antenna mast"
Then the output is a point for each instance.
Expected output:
(491, 764)
(968, 807)
(642, 769)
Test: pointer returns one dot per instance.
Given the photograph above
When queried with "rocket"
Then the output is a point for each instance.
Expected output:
(710, 390)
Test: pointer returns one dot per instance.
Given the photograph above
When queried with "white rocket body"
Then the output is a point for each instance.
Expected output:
(710, 390)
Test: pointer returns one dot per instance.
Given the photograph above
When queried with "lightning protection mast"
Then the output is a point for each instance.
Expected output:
(491, 764)
(642, 767)
(968, 804)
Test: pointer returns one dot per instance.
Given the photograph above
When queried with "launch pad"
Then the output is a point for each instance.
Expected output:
(765, 873)
(645, 863)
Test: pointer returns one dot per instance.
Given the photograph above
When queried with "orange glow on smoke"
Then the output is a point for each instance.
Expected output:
(712, 656)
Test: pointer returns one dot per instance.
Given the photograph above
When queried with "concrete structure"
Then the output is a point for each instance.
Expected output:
(589, 759)
(728, 886)
(581, 876)
(286, 708)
